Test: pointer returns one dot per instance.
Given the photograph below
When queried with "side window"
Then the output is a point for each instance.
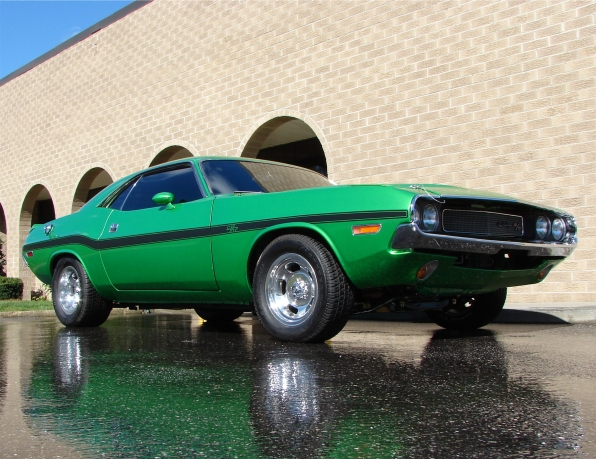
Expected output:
(228, 177)
(181, 182)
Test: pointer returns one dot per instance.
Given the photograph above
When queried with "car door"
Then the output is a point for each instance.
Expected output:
(150, 246)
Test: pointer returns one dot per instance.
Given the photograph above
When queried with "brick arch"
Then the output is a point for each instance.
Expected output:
(91, 183)
(263, 130)
(33, 212)
(172, 151)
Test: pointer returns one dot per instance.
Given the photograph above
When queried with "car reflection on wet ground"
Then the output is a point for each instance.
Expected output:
(147, 386)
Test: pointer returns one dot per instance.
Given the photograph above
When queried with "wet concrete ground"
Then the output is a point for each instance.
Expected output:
(153, 386)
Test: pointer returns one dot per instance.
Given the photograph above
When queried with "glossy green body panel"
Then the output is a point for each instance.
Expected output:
(87, 225)
(156, 248)
(203, 251)
(292, 211)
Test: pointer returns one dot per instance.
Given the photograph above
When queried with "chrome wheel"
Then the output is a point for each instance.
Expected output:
(291, 289)
(69, 290)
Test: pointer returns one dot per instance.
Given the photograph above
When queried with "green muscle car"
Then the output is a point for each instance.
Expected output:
(230, 235)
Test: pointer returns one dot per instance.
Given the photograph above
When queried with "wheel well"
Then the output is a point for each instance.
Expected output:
(59, 257)
(267, 238)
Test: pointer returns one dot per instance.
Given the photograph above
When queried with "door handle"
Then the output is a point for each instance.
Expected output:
(113, 227)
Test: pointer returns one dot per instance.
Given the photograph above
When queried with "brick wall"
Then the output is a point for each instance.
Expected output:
(493, 95)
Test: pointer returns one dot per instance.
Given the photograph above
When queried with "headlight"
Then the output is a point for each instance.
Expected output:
(430, 218)
(558, 229)
(542, 225)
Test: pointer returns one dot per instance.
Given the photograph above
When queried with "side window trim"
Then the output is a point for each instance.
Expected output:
(167, 168)
(109, 201)
(112, 197)
(129, 192)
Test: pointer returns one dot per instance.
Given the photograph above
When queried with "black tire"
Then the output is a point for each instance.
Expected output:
(218, 315)
(76, 302)
(318, 299)
(477, 312)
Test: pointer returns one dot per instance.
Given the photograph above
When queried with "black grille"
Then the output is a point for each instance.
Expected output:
(482, 223)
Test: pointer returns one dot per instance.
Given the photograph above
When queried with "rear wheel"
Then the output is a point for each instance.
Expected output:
(76, 302)
(300, 292)
(474, 313)
(218, 315)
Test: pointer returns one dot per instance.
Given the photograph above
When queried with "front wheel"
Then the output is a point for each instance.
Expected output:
(472, 314)
(76, 302)
(300, 292)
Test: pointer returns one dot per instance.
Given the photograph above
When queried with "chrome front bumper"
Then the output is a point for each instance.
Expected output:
(409, 236)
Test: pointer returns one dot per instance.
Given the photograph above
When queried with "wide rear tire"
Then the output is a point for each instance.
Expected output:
(477, 312)
(76, 302)
(300, 292)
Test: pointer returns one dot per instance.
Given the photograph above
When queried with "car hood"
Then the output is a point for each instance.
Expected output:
(447, 191)
(451, 191)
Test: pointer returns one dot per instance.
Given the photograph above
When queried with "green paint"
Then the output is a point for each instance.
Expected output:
(204, 250)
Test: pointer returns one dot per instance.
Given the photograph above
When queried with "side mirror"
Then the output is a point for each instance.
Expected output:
(164, 199)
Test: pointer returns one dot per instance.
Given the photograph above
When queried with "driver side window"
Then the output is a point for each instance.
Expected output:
(181, 182)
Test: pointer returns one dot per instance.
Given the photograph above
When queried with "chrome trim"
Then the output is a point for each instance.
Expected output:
(413, 209)
(409, 236)
(25, 260)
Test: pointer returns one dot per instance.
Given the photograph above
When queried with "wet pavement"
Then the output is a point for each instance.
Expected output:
(154, 386)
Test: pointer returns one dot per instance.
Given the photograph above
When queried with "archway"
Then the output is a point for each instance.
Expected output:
(90, 184)
(37, 208)
(288, 140)
(171, 154)
(3, 242)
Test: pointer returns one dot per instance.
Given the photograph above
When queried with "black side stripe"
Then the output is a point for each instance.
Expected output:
(125, 241)
(128, 241)
(328, 218)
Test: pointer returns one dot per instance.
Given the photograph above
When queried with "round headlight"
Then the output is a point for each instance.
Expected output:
(558, 229)
(430, 218)
(542, 225)
(416, 215)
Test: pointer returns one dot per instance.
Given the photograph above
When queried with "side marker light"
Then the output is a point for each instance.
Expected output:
(366, 229)
(542, 274)
(426, 271)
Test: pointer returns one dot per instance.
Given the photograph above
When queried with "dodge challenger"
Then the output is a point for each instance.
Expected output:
(224, 236)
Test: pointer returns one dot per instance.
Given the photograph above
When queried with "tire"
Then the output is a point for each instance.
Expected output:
(76, 302)
(218, 315)
(477, 312)
(318, 299)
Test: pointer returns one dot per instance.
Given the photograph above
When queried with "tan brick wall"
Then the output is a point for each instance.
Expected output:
(493, 95)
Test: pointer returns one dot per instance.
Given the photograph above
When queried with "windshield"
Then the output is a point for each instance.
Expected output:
(224, 177)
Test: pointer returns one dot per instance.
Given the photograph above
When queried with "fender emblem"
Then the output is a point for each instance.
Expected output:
(232, 228)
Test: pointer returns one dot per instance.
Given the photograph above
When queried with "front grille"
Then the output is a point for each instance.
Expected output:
(480, 223)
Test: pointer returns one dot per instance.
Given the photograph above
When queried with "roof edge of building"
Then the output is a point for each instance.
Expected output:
(76, 39)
